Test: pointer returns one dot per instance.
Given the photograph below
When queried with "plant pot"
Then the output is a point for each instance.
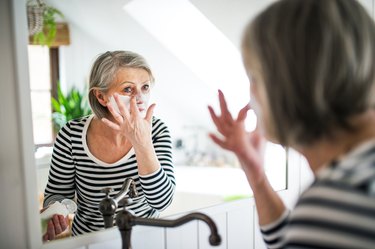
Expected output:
(35, 18)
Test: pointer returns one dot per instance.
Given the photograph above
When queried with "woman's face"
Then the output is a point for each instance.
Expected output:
(132, 82)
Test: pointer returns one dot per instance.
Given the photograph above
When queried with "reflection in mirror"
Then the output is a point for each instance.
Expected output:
(193, 50)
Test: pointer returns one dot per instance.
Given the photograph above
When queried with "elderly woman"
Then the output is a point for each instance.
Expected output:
(120, 140)
(311, 67)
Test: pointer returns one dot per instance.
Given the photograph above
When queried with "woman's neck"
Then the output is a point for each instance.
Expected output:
(323, 152)
(102, 130)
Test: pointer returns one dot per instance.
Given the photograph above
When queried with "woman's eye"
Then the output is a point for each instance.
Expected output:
(127, 90)
(146, 87)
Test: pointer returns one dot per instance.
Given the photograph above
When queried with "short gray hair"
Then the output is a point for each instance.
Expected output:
(318, 65)
(104, 70)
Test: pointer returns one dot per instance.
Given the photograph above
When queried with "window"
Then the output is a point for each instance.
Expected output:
(43, 69)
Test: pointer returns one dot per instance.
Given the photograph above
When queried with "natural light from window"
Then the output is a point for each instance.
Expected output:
(40, 90)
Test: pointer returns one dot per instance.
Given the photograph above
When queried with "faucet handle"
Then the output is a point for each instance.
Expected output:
(107, 208)
(107, 191)
(133, 190)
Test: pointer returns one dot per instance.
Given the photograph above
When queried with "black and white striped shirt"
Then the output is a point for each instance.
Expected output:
(76, 173)
(336, 211)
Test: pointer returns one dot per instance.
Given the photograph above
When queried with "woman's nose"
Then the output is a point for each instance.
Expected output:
(138, 99)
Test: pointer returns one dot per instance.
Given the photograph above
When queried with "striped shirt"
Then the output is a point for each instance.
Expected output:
(76, 173)
(336, 211)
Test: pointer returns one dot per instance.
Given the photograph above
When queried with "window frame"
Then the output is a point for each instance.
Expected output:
(54, 64)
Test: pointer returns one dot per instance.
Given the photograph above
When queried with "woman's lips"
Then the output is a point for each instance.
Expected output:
(141, 109)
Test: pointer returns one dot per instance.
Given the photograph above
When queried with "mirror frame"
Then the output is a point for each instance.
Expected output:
(19, 211)
(19, 179)
(19, 184)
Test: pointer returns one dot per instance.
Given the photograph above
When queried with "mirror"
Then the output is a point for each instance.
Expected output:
(193, 50)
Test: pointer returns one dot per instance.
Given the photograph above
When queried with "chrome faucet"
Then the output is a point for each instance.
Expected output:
(109, 205)
(125, 221)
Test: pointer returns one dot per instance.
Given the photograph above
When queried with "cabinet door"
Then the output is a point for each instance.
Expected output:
(148, 237)
(115, 243)
(240, 227)
(183, 237)
(204, 231)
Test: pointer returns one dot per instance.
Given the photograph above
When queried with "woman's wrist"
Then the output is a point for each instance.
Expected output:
(144, 146)
(254, 171)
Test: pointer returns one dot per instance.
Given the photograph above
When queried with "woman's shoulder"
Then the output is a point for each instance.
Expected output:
(76, 124)
(157, 122)
(81, 121)
(158, 126)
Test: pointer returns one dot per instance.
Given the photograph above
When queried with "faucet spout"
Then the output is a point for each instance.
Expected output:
(125, 221)
(214, 238)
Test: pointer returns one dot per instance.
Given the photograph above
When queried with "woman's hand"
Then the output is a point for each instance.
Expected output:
(56, 225)
(248, 147)
(130, 123)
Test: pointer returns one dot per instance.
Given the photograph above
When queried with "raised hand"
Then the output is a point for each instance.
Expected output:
(248, 146)
(130, 123)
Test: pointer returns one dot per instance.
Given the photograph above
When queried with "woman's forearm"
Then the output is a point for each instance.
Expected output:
(268, 203)
(147, 160)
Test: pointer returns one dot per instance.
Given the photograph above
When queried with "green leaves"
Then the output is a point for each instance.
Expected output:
(70, 106)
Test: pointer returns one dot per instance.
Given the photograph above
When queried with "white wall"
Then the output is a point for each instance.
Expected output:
(179, 94)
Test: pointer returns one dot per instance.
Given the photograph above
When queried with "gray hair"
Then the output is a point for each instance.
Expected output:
(104, 70)
(317, 63)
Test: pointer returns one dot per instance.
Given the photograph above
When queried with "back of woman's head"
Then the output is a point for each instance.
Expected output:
(317, 61)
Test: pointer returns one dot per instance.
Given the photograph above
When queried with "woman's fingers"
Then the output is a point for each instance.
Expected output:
(243, 113)
(133, 107)
(217, 121)
(121, 106)
(224, 107)
(51, 230)
(56, 223)
(117, 116)
(45, 237)
(63, 223)
(150, 112)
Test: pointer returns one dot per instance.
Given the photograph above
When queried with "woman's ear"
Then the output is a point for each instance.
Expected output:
(100, 97)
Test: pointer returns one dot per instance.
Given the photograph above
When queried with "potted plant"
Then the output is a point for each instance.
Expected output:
(42, 22)
(68, 106)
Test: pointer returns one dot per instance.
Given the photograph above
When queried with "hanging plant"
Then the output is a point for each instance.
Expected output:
(41, 20)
